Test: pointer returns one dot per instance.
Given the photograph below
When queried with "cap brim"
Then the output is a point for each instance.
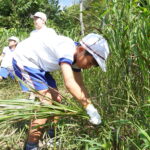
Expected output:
(11, 39)
(32, 16)
(99, 60)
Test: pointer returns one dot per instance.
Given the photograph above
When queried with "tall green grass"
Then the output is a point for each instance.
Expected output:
(121, 94)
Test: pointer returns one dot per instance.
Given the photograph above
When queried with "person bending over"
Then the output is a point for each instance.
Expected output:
(35, 57)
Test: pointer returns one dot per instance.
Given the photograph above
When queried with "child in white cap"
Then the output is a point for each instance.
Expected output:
(6, 58)
(41, 30)
(33, 58)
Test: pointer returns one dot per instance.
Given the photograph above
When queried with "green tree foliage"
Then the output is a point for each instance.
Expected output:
(69, 21)
(16, 13)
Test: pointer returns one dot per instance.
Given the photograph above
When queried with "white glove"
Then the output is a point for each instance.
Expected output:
(95, 118)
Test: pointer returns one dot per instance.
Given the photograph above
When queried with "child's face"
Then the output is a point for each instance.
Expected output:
(84, 61)
(11, 43)
(38, 22)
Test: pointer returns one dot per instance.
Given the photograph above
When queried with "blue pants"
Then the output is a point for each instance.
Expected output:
(35, 78)
(4, 72)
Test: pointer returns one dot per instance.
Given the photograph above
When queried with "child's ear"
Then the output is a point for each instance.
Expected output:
(81, 49)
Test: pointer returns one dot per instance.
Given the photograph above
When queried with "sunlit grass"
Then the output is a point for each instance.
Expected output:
(23, 109)
(121, 95)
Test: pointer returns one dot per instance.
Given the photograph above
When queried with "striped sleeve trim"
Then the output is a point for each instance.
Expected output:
(65, 60)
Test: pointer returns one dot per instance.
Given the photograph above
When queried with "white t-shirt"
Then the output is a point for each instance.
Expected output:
(7, 59)
(44, 31)
(45, 53)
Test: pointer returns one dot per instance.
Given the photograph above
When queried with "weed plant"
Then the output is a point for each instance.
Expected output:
(121, 95)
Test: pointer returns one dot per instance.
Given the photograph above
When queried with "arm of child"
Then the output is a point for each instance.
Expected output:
(74, 84)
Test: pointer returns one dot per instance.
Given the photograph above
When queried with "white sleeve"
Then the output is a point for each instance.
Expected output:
(5, 50)
(32, 33)
(51, 31)
(65, 50)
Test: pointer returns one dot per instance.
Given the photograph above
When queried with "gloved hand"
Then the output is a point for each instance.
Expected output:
(95, 118)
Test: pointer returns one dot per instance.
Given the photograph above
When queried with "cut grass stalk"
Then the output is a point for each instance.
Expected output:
(17, 110)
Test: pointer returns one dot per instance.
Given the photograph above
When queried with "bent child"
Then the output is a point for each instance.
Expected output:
(35, 57)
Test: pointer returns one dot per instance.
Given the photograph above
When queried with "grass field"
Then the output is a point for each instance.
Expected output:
(121, 95)
(125, 124)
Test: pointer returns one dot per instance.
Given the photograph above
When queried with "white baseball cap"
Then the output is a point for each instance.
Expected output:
(96, 45)
(14, 39)
(40, 15)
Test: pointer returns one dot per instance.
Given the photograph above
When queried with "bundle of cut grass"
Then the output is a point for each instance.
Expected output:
(23, 109)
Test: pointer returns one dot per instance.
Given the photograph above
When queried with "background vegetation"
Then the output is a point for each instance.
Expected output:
(121, 94)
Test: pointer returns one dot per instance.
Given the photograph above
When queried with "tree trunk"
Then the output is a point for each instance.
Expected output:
(81, 17)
